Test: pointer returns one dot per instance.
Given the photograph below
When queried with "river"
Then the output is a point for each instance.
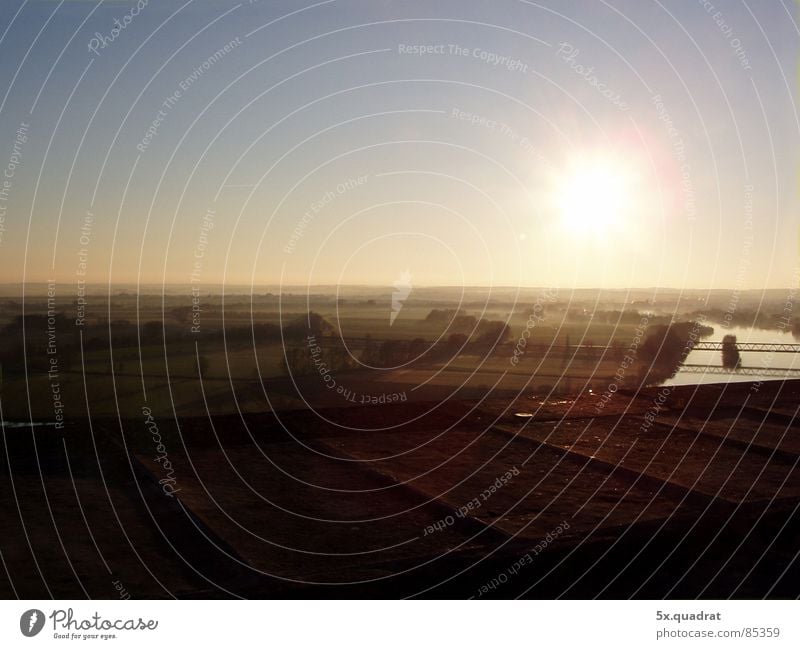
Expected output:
(770, 360)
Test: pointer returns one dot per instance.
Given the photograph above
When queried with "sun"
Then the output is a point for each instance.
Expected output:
(595, 195)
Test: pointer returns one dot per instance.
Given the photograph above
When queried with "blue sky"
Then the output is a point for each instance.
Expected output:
(455, 164)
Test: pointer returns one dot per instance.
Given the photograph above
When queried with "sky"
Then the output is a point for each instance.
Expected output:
(612, 144)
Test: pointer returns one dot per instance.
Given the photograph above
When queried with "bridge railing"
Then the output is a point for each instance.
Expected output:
(750, 347)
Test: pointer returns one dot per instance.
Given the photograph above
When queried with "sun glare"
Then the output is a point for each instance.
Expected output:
(595, 195)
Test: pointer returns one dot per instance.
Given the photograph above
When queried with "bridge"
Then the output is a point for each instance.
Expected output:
(743, 371)
(703, 345)
(790, 348)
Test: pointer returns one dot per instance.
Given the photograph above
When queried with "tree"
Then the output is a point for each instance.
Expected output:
(441, 315)
(731, 359)
(665, 348)
(457, 341)
(463, 322)
(311, 324)
(392, 353)
(493, 332)
(417, 348)
(456, 320)
(369, 351)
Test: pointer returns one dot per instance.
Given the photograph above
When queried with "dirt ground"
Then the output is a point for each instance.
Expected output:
(689, 492)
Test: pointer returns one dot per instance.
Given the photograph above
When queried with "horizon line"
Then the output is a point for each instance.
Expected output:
(210, 286)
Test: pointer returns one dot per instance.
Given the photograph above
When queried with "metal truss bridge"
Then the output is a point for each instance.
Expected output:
(742, 371)
(784, 348)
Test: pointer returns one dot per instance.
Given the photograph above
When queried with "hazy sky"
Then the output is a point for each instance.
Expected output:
(612, 144)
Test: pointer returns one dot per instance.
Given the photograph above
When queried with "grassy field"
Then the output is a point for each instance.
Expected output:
(126, 364)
